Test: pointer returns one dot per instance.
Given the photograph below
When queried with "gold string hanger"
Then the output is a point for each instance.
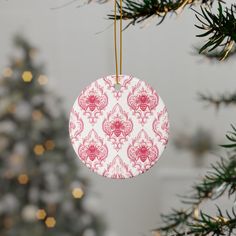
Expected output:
(115, 40)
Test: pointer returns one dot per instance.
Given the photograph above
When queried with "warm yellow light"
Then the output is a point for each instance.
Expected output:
(42, 79)
(221, 219)
(196, 213)
(7, 72)
(77, 193)
(50, 222)
(39, 149)
(27, 76)
(49, 144)
(41, 214)
(23, 179)
(37, 115)
(224, 219)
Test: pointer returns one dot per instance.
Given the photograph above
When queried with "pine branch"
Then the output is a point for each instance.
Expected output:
(220, 29)
(182, 223)
(222, 177)
(226, 100)
(137, 12)
(216, 182)
(175, 221)
(215, 55)
(231, 136)
(209, 225)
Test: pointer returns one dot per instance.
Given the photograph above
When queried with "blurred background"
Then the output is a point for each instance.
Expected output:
(56, 53)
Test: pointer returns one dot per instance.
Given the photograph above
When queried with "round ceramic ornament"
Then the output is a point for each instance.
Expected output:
(119, 132)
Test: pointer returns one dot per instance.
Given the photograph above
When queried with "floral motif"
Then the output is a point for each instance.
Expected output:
(160, 126)
(117, 126)
(142, 100)
(124, 82)
(142, 152)
(118, 169)
(93, 151)
(76, 126)
(93, 101)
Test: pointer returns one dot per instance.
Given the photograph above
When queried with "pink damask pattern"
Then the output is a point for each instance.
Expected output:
(118, 169)
(93, 101)
(93, 151)
(124, 83)
(142, 99)
(76, 126)
(119, 132)
(160, 126)
(117, 126)
(142, 152)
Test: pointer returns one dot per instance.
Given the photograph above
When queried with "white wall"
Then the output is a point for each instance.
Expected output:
(76, 55)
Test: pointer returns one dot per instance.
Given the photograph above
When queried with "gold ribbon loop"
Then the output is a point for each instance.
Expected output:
(115, 41)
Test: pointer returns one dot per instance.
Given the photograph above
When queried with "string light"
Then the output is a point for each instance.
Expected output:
(77, 193)
(39, 149)
(27, 76)
(41, 214)
(23, 179)
(49, 144)
(37, 115)
(7, 72)
(50, 222)
(42, 79)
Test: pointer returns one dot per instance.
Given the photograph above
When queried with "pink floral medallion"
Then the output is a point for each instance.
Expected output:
(160, 126)
(124, 83)
(142, 99)
(142, 152)
(93, 151)
(117, 126)
(93, 101)
(76, 126)
(118, 169)
(119, 132)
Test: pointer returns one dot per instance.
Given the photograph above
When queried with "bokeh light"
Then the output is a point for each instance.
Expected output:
(7, 72)
(49, 144)
(41, 214)
(50, 222)
(23, 179)
(42, 79)
(77, 193)
(27, 76)
(37, 115)
(39, 149)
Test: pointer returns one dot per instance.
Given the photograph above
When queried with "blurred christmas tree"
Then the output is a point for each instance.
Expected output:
(41, 190)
